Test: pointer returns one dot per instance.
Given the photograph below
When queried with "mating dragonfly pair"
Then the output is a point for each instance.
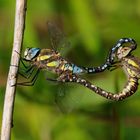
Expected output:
(51, 60)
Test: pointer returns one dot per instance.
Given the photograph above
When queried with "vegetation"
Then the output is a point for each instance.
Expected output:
(48, 111)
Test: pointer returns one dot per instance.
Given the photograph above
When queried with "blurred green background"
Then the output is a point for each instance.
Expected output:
(48, 111)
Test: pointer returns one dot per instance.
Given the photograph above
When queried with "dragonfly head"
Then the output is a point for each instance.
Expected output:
(123, 48)
(31, 53)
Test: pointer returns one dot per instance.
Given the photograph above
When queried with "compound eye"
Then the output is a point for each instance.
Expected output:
(31, 53)
(26, 52)
(123, 52)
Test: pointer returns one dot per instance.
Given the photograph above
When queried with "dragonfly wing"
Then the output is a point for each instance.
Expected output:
(66, 99)
(57, 37)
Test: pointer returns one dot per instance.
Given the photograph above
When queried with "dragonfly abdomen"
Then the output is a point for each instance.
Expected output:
(96, 69)
(127, 91)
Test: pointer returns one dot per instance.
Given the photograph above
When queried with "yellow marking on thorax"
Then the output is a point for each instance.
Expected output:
(53, 64)
(133, 63)
(43, 57)
(62, 67)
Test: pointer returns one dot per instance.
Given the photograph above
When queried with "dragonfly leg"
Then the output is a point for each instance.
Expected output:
(115, 66)
(31, 82)
(27, 73)
(52, 80)
(22, 60)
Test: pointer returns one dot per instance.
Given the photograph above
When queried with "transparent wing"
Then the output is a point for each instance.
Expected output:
(66, 99)
(57, 38)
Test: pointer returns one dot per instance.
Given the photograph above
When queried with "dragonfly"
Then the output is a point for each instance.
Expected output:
(111, 58)
(127, 61)
(50, 59)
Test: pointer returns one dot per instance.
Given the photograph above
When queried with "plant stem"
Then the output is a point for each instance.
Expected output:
(13, 70)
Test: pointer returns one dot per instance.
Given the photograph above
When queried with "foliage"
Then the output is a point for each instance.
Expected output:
(49, 111)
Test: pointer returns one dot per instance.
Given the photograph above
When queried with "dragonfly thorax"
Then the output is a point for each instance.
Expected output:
(31, 53)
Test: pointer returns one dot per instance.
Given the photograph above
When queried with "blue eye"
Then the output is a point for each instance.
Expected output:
(34, 52)
(31, 53)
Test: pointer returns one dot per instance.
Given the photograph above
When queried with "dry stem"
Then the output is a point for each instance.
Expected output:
(12, 76)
